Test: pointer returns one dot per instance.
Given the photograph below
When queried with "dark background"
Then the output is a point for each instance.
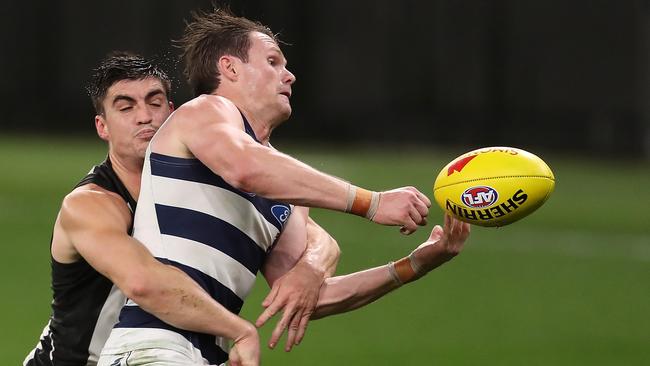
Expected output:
(569, 76)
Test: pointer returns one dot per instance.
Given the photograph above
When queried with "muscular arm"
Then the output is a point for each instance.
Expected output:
(96, 222)
(210, 128)
(251, 166)
(348, 292)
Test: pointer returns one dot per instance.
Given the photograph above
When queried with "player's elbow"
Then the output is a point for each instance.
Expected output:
(137, 287)
(240, 179)
(244, 176)
(335, 249)
(335, 255)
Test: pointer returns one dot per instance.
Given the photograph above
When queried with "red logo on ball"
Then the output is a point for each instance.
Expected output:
(458, 165)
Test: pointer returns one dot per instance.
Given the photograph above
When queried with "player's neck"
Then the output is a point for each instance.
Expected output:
(262, 131)
(260, 125)
(129, 171)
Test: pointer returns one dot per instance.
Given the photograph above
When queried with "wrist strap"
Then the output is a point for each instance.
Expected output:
(404, 270)
(393, 273)
(362, 202)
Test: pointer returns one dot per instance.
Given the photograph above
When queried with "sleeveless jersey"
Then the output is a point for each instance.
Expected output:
(85, 304)
(191, 218)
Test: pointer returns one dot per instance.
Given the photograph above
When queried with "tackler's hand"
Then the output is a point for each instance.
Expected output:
(297, 293)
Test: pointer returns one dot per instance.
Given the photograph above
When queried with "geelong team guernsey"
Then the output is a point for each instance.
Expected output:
(85, 304)
(191, 218)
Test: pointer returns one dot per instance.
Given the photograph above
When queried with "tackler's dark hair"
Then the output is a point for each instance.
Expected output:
(118, 66)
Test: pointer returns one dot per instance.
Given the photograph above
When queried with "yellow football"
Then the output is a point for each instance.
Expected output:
(493, 186)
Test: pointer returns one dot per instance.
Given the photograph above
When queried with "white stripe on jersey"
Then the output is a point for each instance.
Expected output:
(210, 261)
(123, 340)
(217, 202)
(46, 332)
(105, 322)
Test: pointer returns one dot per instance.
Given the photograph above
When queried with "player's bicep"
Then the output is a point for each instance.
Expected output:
(289, 248)
(213, 132)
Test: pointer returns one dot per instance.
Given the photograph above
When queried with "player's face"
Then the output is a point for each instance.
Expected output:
(133, 112)
(266, 78)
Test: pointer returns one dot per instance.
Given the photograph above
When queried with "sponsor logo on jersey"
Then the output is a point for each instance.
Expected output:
(281, 213)
(479, 197)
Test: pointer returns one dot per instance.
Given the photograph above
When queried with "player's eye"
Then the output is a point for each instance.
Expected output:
(125, 109)
(271, 61)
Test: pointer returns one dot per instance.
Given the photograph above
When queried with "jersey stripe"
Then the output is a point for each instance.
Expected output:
(212, 262)
(193, 170)
(205, 229)
(211, 349)
(217, 202)
(105, 322)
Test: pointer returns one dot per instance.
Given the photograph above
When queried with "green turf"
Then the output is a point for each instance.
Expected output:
(569, 285)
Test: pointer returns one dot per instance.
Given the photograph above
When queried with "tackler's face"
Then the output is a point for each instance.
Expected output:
(266, 78)
(133, 112)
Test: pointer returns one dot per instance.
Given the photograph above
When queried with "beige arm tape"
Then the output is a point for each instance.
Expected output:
(404, 270)
(362, 202)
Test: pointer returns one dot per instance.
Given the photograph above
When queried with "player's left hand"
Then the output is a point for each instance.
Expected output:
(297, 293)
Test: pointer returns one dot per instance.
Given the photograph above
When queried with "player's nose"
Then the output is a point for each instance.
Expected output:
(289, 77)
(144, 116)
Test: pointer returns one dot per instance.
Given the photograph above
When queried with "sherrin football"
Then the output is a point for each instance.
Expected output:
(493, 186)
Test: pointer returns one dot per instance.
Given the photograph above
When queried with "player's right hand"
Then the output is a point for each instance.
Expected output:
(443, 244)
(406, 207)
(246, 350)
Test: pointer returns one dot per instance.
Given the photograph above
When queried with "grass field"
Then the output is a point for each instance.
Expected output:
(569, 285)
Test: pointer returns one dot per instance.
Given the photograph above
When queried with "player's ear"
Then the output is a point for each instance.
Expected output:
(171, 106)
(227, 67)
(101, 127)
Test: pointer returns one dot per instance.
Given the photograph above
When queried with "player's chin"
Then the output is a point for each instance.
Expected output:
(141, 148)
(285, 112)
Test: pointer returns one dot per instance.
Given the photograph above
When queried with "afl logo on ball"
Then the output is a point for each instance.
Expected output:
(481, 196)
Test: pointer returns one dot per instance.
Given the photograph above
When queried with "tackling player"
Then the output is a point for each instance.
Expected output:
(93, 255)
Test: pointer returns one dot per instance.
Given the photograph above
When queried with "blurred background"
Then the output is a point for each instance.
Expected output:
(388, 92)
(569, 75)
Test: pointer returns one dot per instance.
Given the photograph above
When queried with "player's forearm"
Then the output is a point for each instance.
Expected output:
(176, 299)
(322, 252)
(345, 293)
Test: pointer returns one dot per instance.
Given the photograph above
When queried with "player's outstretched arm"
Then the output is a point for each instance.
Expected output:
(96, 224)
(344, 293)
(211, 128)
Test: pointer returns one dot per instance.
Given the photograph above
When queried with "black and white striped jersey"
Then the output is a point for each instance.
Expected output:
(85, 304)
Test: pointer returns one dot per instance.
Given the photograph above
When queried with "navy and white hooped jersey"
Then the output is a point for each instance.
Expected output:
(191, 218)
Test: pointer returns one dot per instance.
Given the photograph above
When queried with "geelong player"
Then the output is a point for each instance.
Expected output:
(93, 256)
(218, 202)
